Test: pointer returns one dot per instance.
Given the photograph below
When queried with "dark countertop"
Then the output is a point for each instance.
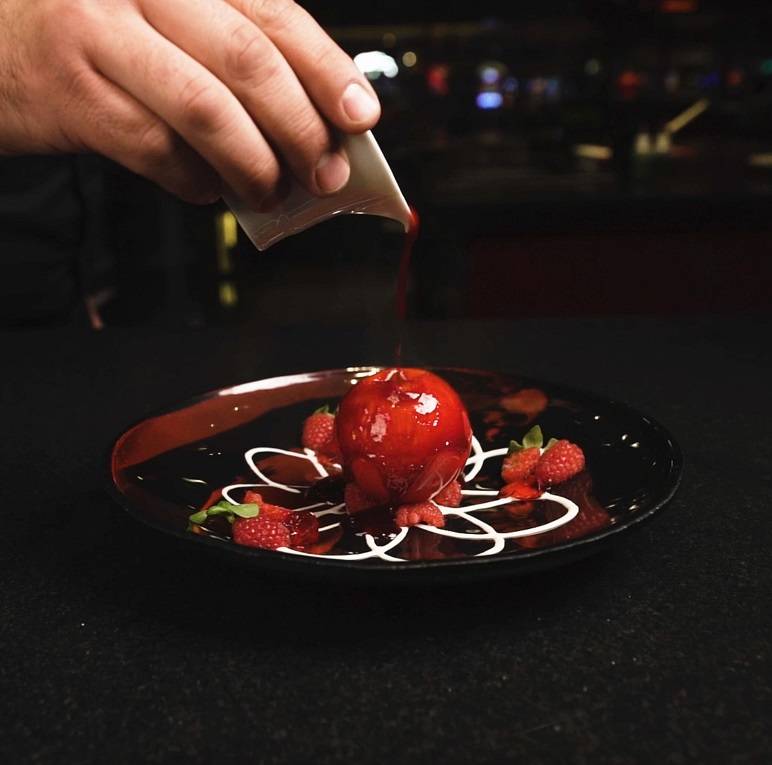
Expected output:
(119, 646)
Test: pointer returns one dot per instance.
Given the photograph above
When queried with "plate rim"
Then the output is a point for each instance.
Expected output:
(528, 559)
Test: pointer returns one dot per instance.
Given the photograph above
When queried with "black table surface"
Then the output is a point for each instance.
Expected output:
(121, 645)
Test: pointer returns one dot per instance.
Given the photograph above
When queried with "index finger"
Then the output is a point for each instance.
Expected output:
(337, 88)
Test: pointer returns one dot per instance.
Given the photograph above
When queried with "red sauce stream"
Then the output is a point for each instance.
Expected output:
(402, 277)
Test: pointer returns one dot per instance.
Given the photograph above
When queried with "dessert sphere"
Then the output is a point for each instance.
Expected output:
(404, 435)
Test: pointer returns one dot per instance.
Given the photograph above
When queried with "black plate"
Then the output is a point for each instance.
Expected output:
(167, 466)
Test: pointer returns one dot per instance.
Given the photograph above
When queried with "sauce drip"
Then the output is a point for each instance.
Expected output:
(411, 235)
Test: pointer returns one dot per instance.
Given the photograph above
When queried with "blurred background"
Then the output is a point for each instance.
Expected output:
(566, 157)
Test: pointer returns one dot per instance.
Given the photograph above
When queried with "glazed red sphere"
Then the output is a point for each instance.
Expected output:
(404, 435)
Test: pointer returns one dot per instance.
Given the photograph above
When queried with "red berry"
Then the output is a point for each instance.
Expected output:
(303, 528)
(262, 531)
(519, 465)
(520, 490)
(275, 512)
(319, 434)
(356, 500)
(404, 434)
(253, 498)
(563, 460)
(421, 512)
(451, 495)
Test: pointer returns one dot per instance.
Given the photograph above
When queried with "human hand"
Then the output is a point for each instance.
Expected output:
(184, 92)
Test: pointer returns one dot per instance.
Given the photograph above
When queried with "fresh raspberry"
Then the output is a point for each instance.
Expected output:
(327, 541)
(356, 500)
(561, 461)
(421, 512)
(303, 527)
(520, 490)
(262, 531)
(253, 498)
(592, 516)
(319, 433)
(451, 495)
(519, 465)
(275, 512)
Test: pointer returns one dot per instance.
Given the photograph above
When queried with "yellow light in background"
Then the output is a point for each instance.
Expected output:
(686, 116)
(760, 160)
(591, 151)
(227, 237)
(228, 294)
(230, 229)
(409, 58)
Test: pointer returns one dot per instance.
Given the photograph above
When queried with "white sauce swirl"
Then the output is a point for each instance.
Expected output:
(484, 533)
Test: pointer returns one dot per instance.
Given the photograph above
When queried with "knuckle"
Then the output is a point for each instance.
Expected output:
(200, 106)
(330, 57)
(156, 144)
(63, 25)
(67, 17)
(274, 14)
(262, 177)
(309, 134)
(245, 54)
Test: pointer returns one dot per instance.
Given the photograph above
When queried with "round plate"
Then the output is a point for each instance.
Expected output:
(170, 465)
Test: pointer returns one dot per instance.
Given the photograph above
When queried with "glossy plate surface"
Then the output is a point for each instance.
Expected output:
(167, 466)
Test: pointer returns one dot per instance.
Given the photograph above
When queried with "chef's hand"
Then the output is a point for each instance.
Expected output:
(184, 92)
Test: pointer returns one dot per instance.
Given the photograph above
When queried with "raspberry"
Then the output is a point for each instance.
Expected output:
(356, 500)
(319, 433)
(561, 461)
(592, 516)
(451, 495)
(253, 498)
(263, 531)
(519, 465)
(303, 528)
(275, 512)
(421, 512)
(520, 490)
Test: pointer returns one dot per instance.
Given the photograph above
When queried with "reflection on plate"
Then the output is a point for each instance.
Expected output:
(228, 441)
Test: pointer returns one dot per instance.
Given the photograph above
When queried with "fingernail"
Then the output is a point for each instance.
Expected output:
(358, 104)
(332, 173)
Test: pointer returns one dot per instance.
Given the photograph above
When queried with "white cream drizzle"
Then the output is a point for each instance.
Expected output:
(484, 533)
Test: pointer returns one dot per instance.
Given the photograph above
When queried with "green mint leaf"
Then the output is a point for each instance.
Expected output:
(550, 443)
(198, 518)
(534, 437)
(221, 508)
(246, 511)
(514, 446)
(323, 409)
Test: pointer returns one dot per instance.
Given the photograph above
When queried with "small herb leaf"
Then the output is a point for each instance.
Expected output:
(246, 511)
(550, 443)
(534, 437)
(198, 517)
